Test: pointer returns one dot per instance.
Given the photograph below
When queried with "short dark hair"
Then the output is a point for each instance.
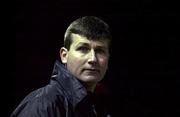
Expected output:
(89, 26)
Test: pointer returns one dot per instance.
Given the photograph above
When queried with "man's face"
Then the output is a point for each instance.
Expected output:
(87, 59)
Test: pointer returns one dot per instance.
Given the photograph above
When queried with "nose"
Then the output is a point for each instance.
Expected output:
(92, 57)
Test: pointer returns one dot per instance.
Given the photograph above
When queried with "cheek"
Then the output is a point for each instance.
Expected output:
(74, 62)
(103, 62)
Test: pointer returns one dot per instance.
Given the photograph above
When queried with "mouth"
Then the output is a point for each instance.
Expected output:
(92, 70)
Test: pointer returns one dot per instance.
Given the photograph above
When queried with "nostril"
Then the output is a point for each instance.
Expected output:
(92, 62)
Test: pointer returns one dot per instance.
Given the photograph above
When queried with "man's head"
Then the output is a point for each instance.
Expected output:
(89, 26)
(86, 49)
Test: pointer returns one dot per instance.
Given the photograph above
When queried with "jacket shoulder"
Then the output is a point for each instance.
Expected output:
(42, 102)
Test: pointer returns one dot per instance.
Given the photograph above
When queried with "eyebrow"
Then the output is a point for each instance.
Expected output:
(87, 44)
(82, 44)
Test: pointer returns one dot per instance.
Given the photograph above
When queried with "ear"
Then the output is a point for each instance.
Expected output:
(63, 55)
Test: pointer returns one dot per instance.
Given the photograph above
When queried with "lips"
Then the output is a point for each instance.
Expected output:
(91, 70)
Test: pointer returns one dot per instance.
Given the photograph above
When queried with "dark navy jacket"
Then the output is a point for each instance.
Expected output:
(64, 96)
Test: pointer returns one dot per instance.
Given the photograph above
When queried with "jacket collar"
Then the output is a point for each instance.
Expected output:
(73, 89)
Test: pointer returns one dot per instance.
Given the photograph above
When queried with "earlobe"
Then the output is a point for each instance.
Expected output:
(63, 55)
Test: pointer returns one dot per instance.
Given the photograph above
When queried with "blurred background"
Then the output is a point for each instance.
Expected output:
(144, 68)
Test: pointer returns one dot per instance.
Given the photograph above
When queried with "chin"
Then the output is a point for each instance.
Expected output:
(94, 79)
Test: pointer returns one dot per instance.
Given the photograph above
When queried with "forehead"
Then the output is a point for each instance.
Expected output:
(78, 39)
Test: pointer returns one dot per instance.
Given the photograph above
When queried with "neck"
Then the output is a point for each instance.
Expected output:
(90, 86)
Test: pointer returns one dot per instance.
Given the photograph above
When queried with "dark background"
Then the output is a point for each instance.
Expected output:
(143, 75)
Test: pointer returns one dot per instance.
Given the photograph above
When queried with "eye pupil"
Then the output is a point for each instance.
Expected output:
(83, 48)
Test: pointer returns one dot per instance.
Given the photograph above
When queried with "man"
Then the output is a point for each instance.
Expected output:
(85, 58)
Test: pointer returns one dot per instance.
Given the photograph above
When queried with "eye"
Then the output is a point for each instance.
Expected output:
(83, 48)
(101, 51)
